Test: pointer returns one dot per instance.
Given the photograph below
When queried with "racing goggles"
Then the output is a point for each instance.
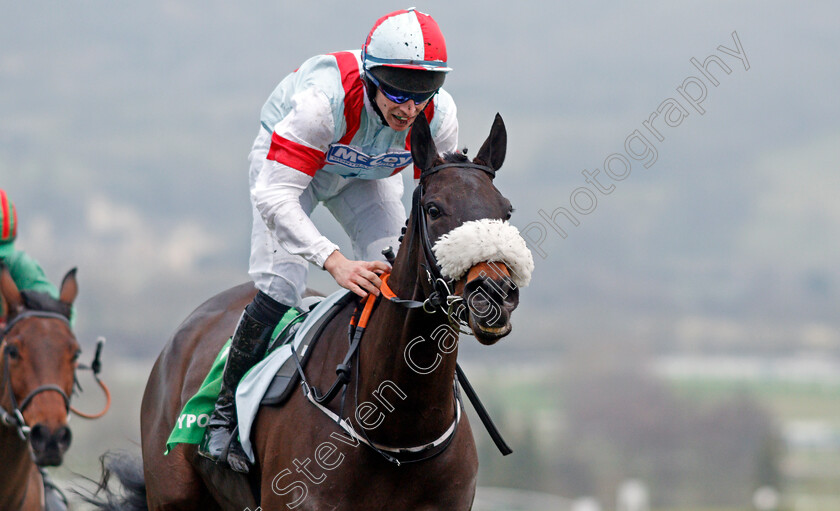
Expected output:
(400, 97)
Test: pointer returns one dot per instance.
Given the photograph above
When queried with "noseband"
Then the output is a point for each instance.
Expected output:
(442, 296)
(15, 417)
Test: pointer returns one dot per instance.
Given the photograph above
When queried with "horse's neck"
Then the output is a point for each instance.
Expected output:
(406, 371)
(16, 466)
(12, 448)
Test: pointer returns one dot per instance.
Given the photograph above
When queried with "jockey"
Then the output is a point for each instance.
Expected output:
(26, 272)
(334, 131)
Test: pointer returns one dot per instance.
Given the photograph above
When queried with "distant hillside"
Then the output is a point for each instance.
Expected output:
(126, 130)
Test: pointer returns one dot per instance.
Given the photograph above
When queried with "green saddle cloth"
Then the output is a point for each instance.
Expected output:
(189, 429)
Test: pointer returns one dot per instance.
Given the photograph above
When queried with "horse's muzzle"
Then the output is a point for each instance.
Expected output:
(490, 296)
(49, 445)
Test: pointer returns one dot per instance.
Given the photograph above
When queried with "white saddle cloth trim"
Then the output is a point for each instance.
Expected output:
(255, 383)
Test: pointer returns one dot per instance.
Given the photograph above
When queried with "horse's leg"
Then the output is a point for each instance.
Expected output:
(172, 483)
(283, 441)
(230, 490)
(181, 480)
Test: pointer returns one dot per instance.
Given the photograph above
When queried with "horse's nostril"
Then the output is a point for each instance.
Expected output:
(41, 438)
(512, 297)
(500, 293)
(471, 286)
(38, 437)
(64, 437)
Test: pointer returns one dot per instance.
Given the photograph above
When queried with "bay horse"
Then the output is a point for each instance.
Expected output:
(419, 450)
(36, 380)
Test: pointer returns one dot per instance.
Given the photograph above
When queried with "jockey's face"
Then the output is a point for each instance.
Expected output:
(399, 116)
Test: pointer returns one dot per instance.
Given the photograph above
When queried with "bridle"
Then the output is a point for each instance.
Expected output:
(442, 298)
(14, 418)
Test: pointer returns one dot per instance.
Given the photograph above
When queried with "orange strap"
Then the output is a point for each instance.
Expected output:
(369, 302)
(385, 289)
(363, 319)
(104, 411)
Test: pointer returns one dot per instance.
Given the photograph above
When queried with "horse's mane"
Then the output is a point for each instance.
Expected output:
(41, 301)
(461, 157)
(455, 157)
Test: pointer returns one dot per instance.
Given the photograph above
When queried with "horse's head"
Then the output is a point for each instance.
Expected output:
(39, 354)
(465, 217)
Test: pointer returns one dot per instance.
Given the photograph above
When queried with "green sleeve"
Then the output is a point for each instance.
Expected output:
(27, 274)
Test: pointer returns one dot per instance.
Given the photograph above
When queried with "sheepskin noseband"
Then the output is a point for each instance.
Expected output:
(480, 241)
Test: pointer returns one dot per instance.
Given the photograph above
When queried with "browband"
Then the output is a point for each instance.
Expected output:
(464, 164)
(31, 314)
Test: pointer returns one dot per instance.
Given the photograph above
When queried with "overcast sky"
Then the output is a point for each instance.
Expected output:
(125, 130)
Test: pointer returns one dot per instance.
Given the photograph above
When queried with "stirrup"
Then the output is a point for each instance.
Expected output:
(204, 447)
(234, 448)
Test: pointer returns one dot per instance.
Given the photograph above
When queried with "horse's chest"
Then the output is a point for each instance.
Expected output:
(348, 477)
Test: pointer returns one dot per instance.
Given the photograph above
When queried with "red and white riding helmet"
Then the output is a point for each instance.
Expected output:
(406, 47)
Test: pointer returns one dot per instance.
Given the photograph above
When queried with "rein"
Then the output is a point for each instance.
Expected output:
(14, 418)
(440, 299)
(395, 455)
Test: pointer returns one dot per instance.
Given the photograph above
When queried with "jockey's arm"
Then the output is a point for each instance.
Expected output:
(361, 277)
(276, 194)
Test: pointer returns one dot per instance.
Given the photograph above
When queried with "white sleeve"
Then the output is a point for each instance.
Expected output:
(446, 136)
(310, 122)
(276, 194)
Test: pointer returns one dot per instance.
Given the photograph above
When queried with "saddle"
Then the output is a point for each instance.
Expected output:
(286, 379)
(273, 380)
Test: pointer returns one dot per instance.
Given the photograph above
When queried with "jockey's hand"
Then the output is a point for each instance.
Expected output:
(360, 277)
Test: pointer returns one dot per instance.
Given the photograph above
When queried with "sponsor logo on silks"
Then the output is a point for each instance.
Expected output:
(353, 157)
(188, 420)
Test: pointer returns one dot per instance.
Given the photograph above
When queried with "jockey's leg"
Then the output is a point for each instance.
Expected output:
(280, 278)
(248, 346)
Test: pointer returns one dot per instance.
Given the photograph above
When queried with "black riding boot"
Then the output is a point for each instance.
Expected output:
(247, 348)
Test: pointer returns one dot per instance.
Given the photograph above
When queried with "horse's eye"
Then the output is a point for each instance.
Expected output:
(433, 211)
(13, 352)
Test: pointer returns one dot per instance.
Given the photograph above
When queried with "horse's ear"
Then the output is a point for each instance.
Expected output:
(69, 288)
(10, 292)
(492, 152)
(423, 150)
